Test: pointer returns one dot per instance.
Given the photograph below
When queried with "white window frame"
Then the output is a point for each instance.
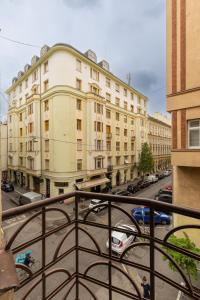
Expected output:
(190, 129)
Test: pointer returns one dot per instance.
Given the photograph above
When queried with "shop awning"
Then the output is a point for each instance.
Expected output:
(92, 183)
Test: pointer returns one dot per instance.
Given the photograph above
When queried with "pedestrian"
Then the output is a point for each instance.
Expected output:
(146, 288)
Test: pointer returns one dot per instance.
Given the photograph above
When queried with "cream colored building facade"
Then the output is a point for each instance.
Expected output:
(183, 101)
(72, 124)
(160, 140)
(3, 149)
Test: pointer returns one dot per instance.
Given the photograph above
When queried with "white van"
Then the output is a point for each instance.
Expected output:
(29, 197)
(152, 178)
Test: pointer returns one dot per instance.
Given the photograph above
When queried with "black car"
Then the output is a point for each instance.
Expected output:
(165, 198)
(144, 184)
(134, 186)
(163, 191)
(7, 187)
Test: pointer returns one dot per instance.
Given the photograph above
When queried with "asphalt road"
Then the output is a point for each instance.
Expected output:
(140, 255)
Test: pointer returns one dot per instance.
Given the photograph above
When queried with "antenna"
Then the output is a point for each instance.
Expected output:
(129, 78)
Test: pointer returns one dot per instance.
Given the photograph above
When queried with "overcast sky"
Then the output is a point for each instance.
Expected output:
(129, 34)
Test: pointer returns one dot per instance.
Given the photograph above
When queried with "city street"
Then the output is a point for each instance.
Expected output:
(138, 255)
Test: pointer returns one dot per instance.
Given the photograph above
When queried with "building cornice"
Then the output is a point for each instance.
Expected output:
(69, 48)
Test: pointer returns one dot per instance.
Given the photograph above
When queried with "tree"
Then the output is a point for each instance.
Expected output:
(146, 162)
(187, 264)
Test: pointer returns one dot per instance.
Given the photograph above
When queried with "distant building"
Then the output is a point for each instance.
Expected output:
(3, 149)
(159, 139)
(72, 124)
(183, 101)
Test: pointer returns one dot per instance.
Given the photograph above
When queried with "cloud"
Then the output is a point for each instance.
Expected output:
(129, 35)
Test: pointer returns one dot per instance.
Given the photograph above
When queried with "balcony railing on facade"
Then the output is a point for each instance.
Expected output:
(77, 278)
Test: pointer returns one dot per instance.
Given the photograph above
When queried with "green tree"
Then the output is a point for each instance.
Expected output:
(146, 162)
(187, 264)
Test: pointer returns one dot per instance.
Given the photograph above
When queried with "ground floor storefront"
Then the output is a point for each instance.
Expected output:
(51, 186)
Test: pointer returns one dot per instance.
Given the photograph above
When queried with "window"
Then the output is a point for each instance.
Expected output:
(108, 114)
(117, 129)
(30, 127)
(46, 164)
(78, 104)
(125, 105)
(117, 146)
(79, 145)
(132, 108)
(26, 83)
(78, 84)
(116, 87)
(94, 74)
(132, 146)
(125, 92)
(98, 126)
(108, 97)
(34, 90)
(125, 119)
(20, 87)
(125, 132)
(78, 124)
(194, 134)
(98, 108)
(78, 65)
(20, 132)
(10, 118)
(132, 159)
(46, 145)
(117, 160)
(99, 145)
(61, 184)
(108, 145)
(126, 161)
(21, 161)
(30, 109)
(132, 96)
(46, 125)
(10, 161)
(35, 75)
(108, 129)
(31, 164)
(30, 146)
(21, 147)
(46, 85)
(60, 191)
(117, 100)
(125, 146)
(46, 67)
(79, 164)
(46, 105)
(94, 90)
(141, 122)
(20, 117)
(98, 162)
(117, 116)
(108, 82)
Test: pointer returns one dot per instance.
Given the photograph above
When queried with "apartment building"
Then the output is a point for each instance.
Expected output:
(3, 150)
(183, 101)
(159, 139)
(72, 124)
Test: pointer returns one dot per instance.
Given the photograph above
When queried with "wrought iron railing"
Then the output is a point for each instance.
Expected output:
(78, 279)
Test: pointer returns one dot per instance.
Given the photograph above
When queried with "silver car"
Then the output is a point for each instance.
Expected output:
(121, 240)
(95, 202)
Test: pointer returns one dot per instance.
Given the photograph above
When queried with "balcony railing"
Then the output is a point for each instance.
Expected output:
(62, 264)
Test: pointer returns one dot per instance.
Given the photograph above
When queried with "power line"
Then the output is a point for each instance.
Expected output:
(18, 42)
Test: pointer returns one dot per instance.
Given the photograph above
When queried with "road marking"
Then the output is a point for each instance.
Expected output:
(14, 221)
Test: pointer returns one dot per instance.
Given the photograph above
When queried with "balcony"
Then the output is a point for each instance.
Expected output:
(133, 138)
(186, 158)
(66, 262)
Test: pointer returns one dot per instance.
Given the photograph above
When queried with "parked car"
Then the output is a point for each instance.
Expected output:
(29, 197)
(167, 172)
(121, 192)
(163, 191)
(144, 184)
(121, 240)
(134, 186)
(167, 198)
(7, 187)
(142, 216)
(95, 202)
(152, 178)
(160, 175)
(169, 187)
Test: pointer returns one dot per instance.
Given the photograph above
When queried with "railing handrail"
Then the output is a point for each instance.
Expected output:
(157, 205)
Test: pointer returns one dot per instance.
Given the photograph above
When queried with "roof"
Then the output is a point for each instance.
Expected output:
(31, 195)
(57, 45)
